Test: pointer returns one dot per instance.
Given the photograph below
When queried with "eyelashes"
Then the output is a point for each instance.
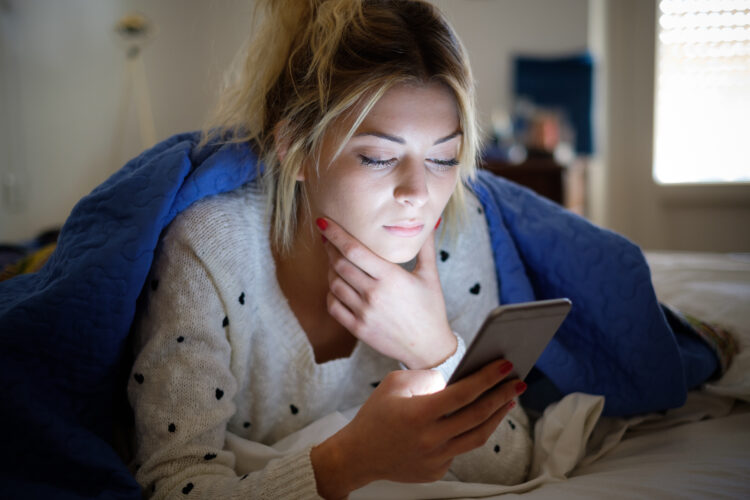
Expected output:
(440, 165)
(376, 164)
(445, 163)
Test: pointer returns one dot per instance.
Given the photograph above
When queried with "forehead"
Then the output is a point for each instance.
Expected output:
(419, 115)
(428, 108)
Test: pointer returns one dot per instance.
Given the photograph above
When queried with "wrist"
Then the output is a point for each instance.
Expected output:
(441, 349)
(335, 468)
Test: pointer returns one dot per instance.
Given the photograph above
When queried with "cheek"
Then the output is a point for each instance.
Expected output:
(445, 186)
(347, 199)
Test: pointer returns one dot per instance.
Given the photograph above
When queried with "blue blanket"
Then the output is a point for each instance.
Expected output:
(63, 330)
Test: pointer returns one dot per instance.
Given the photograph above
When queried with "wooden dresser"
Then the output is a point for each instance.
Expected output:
(540, 172)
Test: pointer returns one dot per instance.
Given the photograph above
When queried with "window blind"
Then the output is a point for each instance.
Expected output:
(702, 102)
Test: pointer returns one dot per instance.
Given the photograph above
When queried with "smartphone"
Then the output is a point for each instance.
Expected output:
(516, 332)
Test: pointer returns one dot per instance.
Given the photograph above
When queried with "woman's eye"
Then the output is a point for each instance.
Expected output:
(373, 163)
(443, 164)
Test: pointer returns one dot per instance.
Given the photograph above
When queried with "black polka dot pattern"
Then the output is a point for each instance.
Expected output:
(512, 425)
(219, 393)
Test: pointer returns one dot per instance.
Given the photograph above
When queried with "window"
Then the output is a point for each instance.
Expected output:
(702, 107)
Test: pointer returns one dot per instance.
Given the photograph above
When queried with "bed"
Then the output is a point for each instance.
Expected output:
(64, 332)
(700, 450)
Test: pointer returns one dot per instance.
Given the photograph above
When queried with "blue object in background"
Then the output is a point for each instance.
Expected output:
(565, 83)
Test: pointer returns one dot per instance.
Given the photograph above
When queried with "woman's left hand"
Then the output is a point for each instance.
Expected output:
(401, 314)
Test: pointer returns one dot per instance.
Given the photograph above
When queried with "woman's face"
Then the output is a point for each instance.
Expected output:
(392, 180)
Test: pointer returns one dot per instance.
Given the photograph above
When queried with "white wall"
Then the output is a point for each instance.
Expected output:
(63, 81)
(64, 78)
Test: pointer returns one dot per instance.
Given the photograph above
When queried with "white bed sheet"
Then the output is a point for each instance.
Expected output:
(706, 459)
(701, 450)
(715, 288)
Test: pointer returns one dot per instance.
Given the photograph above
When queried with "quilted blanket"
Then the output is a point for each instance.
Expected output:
(63, 330)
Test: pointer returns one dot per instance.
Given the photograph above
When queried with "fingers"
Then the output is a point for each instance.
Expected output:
(479, 435)
(467, 390)
(343, 291)
(343, 302)
(483, 409)
(351, 248)
(341, 313)
(358, 279)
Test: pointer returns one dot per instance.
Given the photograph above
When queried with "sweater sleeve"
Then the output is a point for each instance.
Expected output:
(447, 367)
(181, 389)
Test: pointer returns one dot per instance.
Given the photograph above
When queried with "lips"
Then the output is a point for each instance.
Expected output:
(405, 229)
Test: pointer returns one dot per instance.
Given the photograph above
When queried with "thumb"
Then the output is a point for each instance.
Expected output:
(426, 265)
(419, 382)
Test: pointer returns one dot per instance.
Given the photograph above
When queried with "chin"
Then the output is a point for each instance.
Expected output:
(400, 255)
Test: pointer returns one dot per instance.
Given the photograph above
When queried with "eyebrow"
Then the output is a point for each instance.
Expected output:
(401, 140)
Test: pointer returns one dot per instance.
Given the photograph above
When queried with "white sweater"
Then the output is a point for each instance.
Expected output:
(219, 349)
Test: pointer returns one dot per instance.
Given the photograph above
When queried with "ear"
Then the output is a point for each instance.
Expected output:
(281, 143)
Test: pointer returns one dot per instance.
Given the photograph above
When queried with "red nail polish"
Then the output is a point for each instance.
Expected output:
(322, 224)
(506, 368)
(440, 219)
(512, 404)
(520, 387)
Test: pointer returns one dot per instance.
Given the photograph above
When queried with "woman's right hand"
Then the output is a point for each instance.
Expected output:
(412, 426)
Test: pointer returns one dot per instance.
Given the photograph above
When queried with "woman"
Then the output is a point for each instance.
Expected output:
(317, 288)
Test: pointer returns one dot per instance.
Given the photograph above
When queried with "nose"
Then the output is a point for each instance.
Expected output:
(411, 186)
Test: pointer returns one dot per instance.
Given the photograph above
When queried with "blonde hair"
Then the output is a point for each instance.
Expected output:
(312, 62)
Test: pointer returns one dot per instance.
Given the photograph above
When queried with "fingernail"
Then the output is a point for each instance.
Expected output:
(322, 224)
(520, 387)
(506, 368)
(512, 404)
(440, 219)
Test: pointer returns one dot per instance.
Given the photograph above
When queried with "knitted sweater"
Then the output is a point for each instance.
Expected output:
(219, 349)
